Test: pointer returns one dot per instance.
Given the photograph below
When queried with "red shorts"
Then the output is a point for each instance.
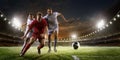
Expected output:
(38, 36)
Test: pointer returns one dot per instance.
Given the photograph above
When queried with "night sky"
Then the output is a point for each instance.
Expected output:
(82, 9)
(85, 10)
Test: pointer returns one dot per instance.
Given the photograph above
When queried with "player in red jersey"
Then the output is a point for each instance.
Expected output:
(39, 26)
(29, 21)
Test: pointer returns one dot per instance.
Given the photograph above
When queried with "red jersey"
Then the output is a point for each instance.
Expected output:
(38, 27)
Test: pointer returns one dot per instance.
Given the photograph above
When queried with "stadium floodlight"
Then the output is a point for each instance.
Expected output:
(95, 32)
(114, 19)
(1, 15)
(13, 25)
(5, 19)
(19, 29)
(16, 27)
(74, 36)
(9, 22)
(16, 22)
(103, 27)
(110, 22)
(118, 15)
(98, 30)
(90, 34)
(107, 25)
(100, 24)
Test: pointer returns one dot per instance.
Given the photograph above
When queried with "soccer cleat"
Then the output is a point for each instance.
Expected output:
(39, 51)
(21, 54)
(49, 50)
(55, 49)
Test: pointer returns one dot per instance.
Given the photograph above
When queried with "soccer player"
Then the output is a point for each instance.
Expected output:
(39, 26)
(29, 21)
(52, 21)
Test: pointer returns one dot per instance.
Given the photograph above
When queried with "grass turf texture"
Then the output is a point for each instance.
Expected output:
(64, 53)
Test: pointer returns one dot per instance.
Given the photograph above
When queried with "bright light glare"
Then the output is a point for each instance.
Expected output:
(5, 19)
(107, 25)
(118, 15)
(114, 19)
(16, 22)
(9, 22)
(1, 15)
(110, 22)
(100, 24)
(74, 36)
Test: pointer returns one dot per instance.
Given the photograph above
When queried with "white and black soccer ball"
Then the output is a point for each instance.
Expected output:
(75, 45)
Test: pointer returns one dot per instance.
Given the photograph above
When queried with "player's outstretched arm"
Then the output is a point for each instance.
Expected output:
(30, 27)
(25, 34)
(24, 24)
(63, 17)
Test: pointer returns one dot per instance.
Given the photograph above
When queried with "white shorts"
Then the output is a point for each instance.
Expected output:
(53, 29)
(29, 33)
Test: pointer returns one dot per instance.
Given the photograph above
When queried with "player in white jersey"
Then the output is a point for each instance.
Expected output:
(53, 27)
(29, 21)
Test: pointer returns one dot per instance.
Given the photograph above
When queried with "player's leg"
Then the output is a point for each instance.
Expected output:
(41, 45)
(55, 40)
(49, 43)
(32, 39)
(25, 42)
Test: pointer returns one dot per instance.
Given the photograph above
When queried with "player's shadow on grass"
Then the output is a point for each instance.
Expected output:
(51, 56)
(35, 57)
(45, 56)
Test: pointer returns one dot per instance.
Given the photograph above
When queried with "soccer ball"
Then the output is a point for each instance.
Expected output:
(75, 45)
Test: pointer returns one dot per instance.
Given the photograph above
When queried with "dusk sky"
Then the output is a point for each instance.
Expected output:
(70, 8)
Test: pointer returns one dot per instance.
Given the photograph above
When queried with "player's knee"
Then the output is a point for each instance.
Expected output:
(42, 45)
(27, 39)
(31, 41)
(56, 35)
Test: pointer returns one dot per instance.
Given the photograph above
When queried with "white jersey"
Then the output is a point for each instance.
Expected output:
(52, 21)
(27, 27)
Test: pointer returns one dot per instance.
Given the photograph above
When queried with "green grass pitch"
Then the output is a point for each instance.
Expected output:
(64, 53)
